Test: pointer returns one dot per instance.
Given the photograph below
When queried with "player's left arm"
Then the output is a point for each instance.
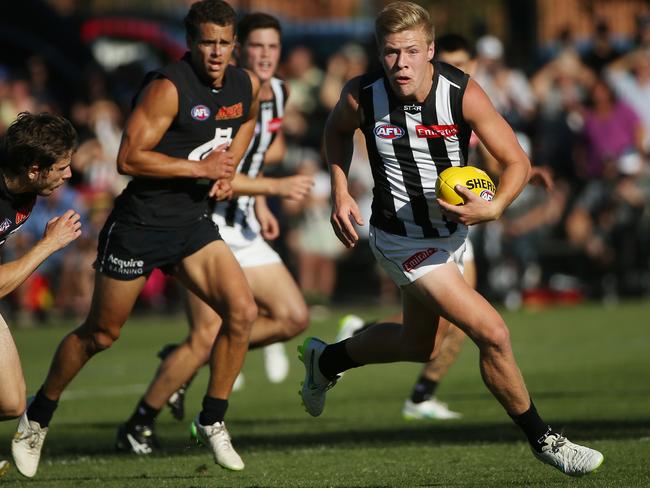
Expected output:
(294, 187)
(501, 142)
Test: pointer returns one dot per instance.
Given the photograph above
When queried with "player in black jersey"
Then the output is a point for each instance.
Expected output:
(34, 161)
(244, 222)
(417, 117)
(191, 121)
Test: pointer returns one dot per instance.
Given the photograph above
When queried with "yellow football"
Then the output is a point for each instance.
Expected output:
(470, 177)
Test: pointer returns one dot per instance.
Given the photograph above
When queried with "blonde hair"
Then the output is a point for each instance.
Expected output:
(401, 16)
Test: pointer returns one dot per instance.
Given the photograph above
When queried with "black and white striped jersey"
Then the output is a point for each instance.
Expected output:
(240, 210)
(409, 144)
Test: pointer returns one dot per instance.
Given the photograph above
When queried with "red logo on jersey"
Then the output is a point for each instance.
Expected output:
(24, 212)
(435, 131)
(418, 258)
(232, 112)
(274, 124)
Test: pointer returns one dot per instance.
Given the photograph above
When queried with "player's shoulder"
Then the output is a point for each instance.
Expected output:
(251, 77)
(451, 73)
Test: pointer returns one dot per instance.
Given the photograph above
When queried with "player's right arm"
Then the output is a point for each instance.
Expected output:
(151, 118)
(60, 232)
(339, 134)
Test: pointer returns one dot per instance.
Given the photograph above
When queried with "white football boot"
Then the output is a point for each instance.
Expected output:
(276, 362)
(570, 458)
(428, 409)
(27, 444)
(216, 437)
(315, 385)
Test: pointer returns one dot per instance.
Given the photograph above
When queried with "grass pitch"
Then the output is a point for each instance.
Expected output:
(587, 368)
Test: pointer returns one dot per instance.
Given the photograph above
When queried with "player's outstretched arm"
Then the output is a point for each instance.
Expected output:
(60, 232)
(501, 142)
(339, 134)
(295, 187)
(150, 119)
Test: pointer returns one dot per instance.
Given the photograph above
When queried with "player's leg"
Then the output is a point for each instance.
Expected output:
(214, 275)
(283, 315)
(278, 295)
(12, 381)
(423, 403)
(417, 339)
(111, 305)
(176, 370)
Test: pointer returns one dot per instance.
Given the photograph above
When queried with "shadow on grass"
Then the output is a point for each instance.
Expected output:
(97, 438)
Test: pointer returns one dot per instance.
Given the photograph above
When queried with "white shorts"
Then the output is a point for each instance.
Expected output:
(468, 255)
(250, 248)
(406, 259)
(3, 324)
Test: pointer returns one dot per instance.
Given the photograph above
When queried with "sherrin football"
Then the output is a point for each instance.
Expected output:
(470, 177)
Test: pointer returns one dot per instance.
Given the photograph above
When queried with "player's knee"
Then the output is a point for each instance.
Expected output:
(201, 341)
(103, 339)
(242, 313)
(496, 337)
(294, 319)
(13, 406)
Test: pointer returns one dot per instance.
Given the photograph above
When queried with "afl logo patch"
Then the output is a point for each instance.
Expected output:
(200, 112)
(487, 195)
(388, 131)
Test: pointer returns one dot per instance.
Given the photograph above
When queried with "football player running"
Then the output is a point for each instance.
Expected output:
(244, 223)
(419, 240)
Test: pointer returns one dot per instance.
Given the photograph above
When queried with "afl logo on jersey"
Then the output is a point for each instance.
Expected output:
(200, 113)
(388, 131)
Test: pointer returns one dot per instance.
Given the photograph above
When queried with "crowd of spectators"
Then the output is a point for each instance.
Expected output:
(583, 112)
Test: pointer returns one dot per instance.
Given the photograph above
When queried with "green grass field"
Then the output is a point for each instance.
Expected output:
(587, 367)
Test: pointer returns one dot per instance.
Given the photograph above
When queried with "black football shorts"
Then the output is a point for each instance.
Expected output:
(127, 251)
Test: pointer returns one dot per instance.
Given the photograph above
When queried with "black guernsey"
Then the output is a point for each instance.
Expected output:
(409, 144)
(206, 118)
(14, 210)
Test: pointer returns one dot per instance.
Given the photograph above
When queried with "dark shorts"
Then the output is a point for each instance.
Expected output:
(126, 251)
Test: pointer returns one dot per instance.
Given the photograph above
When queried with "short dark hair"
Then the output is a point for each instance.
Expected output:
(40, 139)
(254, 21)
(210, 11)
(450, 43)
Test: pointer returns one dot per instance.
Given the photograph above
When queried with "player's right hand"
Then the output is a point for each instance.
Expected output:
(296, 187)
(344, 210)
(61, 231)
(219, 164)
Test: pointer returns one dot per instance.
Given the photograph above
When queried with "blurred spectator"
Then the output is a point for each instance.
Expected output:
(561, 88)
(507, 88)
(630, 77)
(611, 128)
(304, 79)
(602, 50)
(604, 222)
